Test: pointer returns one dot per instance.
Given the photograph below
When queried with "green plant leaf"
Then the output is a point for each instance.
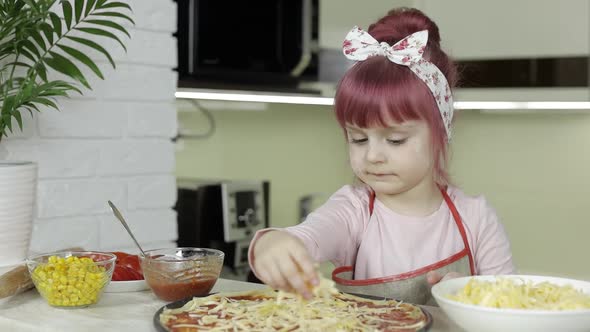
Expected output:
(114, 5)
(33, 106)
(67, 10)
(7, 119)
(66, 67)
(31, 30)
(82, 58)
(19, 80)
(46, 102)
(95, 46)
(100, 32)
(110, 25)
(114, 14)
(32, 4)
(66, 86)
(27, 54)
(31, 47)
(56, 21)
(52, 93)
(89, 7)
(48, 32)
(62, 87)
(28, 90)
(78, 6)
(19, 119)
(40, 41)
(21, 64)
(7, 106)
(42, 71)
(19, 5)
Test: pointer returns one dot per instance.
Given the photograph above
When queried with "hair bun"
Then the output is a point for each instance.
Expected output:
(402, 22)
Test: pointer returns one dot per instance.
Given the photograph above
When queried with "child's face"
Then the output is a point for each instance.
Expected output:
(393, 159)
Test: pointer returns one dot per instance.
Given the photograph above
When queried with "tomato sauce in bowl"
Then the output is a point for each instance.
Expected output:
(178, 291)
(178, 273)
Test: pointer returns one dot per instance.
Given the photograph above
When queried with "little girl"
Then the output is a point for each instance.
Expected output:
(404, 228)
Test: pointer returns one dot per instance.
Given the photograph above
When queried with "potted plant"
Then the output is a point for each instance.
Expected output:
(38, 39)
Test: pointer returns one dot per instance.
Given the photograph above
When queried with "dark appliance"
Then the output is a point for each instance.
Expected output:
(265, 43)
(223, 215)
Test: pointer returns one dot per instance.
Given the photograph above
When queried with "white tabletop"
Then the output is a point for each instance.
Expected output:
(133, 311)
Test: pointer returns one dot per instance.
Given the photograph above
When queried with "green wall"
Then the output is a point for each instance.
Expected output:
(532, 167)
(534, 170)
(300, 149)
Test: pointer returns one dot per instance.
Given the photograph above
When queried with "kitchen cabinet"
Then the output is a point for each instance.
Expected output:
(502, 29)
(477, 29)
(523, 50)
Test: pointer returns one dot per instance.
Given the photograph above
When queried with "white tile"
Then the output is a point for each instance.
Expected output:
(143, 47)
(85, 118)
(147, 226)
(129, 82)
(136, 157)
(152, 192)
(78, 197)
(57, 158)
(60, 233)
(132, 249)
(152, 120)
(153, 15)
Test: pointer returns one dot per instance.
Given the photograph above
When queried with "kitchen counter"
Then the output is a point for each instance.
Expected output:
(132, 311)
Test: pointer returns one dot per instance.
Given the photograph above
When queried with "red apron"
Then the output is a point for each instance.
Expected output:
(410, 286)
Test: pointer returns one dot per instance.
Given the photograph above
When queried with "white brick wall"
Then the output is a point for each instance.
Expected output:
(112, 143)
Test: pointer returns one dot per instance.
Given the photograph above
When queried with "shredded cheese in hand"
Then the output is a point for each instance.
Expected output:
(508, 293)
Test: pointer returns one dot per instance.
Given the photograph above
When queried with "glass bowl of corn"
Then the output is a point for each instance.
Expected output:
(71, 279)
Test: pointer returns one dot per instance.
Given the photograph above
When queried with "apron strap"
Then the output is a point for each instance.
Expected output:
(459, 223)
(456, 217)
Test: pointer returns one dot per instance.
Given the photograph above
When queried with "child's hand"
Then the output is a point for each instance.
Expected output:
(282, 262)
(434, 277)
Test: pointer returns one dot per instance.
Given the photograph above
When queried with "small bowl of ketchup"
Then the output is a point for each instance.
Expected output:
(178, 273)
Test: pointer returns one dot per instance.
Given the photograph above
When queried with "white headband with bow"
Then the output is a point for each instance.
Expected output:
(359, 45)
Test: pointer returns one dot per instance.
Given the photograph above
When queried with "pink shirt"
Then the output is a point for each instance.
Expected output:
(339, 231)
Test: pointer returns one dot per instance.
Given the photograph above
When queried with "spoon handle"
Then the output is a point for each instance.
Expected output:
(120, 217)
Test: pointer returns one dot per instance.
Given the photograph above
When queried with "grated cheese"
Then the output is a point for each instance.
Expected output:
(509, 293)
(329, 311)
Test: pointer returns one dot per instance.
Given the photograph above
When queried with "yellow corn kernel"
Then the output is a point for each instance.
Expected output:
(70, 281)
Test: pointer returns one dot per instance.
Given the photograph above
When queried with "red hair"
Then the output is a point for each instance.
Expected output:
(377, 89)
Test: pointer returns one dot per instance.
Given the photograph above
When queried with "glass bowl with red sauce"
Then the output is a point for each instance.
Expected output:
(178, 273)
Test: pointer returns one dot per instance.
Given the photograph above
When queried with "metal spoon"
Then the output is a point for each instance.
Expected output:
(122, 220)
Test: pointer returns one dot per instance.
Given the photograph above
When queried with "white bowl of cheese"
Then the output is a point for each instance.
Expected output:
(516, 303)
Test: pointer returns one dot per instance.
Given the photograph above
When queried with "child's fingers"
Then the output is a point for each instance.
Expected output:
(271, 275)
(306, 265)
(433, 277)
(264, 276)
(294, 278)
(278, 281)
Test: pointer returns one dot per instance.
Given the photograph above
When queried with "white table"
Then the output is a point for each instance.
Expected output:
(119, 312)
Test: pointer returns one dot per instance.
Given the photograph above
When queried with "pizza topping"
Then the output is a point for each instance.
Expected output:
(520, 294)
(267, 310)
(127, 267)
